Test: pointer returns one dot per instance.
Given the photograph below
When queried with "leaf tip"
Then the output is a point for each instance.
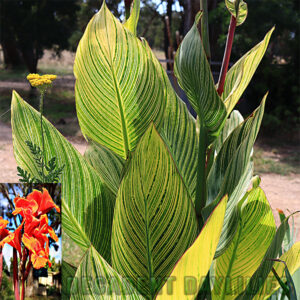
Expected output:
(198, 17)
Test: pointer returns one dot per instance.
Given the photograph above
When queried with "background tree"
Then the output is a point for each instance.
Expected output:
(28, 27)
(85, 12)
(279, 70)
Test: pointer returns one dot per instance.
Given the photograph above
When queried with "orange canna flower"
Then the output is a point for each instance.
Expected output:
(44, 228)
(3, 231)
(44, 201)
(33, 210)
(38, 254)
(23, 204)
(36, 203)
(14, 239)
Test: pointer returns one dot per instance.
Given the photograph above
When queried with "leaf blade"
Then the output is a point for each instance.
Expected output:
(96, 279)
(240, 74)
(195, 78)
(238, 9)
(83, 192)
(140, 248)
(196, 261)
(292, 260)
(256, 231)
(117, 91)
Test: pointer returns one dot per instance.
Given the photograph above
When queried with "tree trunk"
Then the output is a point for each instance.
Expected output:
(191, 8)
(167, 40)
(30, 59)
(12, 57)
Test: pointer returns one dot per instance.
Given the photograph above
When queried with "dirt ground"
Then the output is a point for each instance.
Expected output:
(282, 191)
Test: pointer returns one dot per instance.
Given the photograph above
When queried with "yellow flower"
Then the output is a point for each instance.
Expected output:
(41, 81)
(33, 76)
(49, 76)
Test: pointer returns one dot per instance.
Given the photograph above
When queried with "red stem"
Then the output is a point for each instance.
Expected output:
(15, 271)
(1, 266)
(227, 54)
(28, 268)
(23, 271)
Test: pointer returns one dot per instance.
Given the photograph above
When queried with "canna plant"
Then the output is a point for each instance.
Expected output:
(159, 206)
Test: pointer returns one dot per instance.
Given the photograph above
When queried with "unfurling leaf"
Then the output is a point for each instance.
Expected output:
(238, 9)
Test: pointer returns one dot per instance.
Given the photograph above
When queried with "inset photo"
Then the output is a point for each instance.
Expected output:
(30, 241)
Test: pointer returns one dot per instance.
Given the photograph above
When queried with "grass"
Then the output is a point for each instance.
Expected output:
(20, 75)
(59, 108)
(276, 160)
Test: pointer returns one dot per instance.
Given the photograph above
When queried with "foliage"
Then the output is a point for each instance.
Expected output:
(279, 71)
(159, 196)
(41, 24)
(85, 12)
(6, 291)
(53, 171)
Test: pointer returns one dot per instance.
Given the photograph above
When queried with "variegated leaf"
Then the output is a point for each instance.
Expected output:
(132, 22)
(292, 260)
(238, 9)
(232, 122)
(118, 93)
(190, 271)
(108, 164)
(255, 232)
(154, 219)
(195, 78)
(240, 74)
(87, 204)
(96, 279)
(261, 274)
(178, 131)
(231, 172)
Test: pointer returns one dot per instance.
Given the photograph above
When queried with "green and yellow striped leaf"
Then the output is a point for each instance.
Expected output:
(195, 78)
(231, 173)
(240, 74)
(232, 122)
(255, 232)
(238, 9)
(96, 279)
(189, 273)
(178, 130)
(261, 274)
(68, 273)
(179, 134)
(154, 219)
(118, 93)
(87, 204)
(132, 22)
(292, 260)
(108, 164)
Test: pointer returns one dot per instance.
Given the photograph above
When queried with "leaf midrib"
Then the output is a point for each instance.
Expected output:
(119, 98)
(149, 256)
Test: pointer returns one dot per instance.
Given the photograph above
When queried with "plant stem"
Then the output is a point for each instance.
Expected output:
(201, 196)
(42, 132)
(204, 28)
(15, 275)
(227, 54)
(23, 271)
